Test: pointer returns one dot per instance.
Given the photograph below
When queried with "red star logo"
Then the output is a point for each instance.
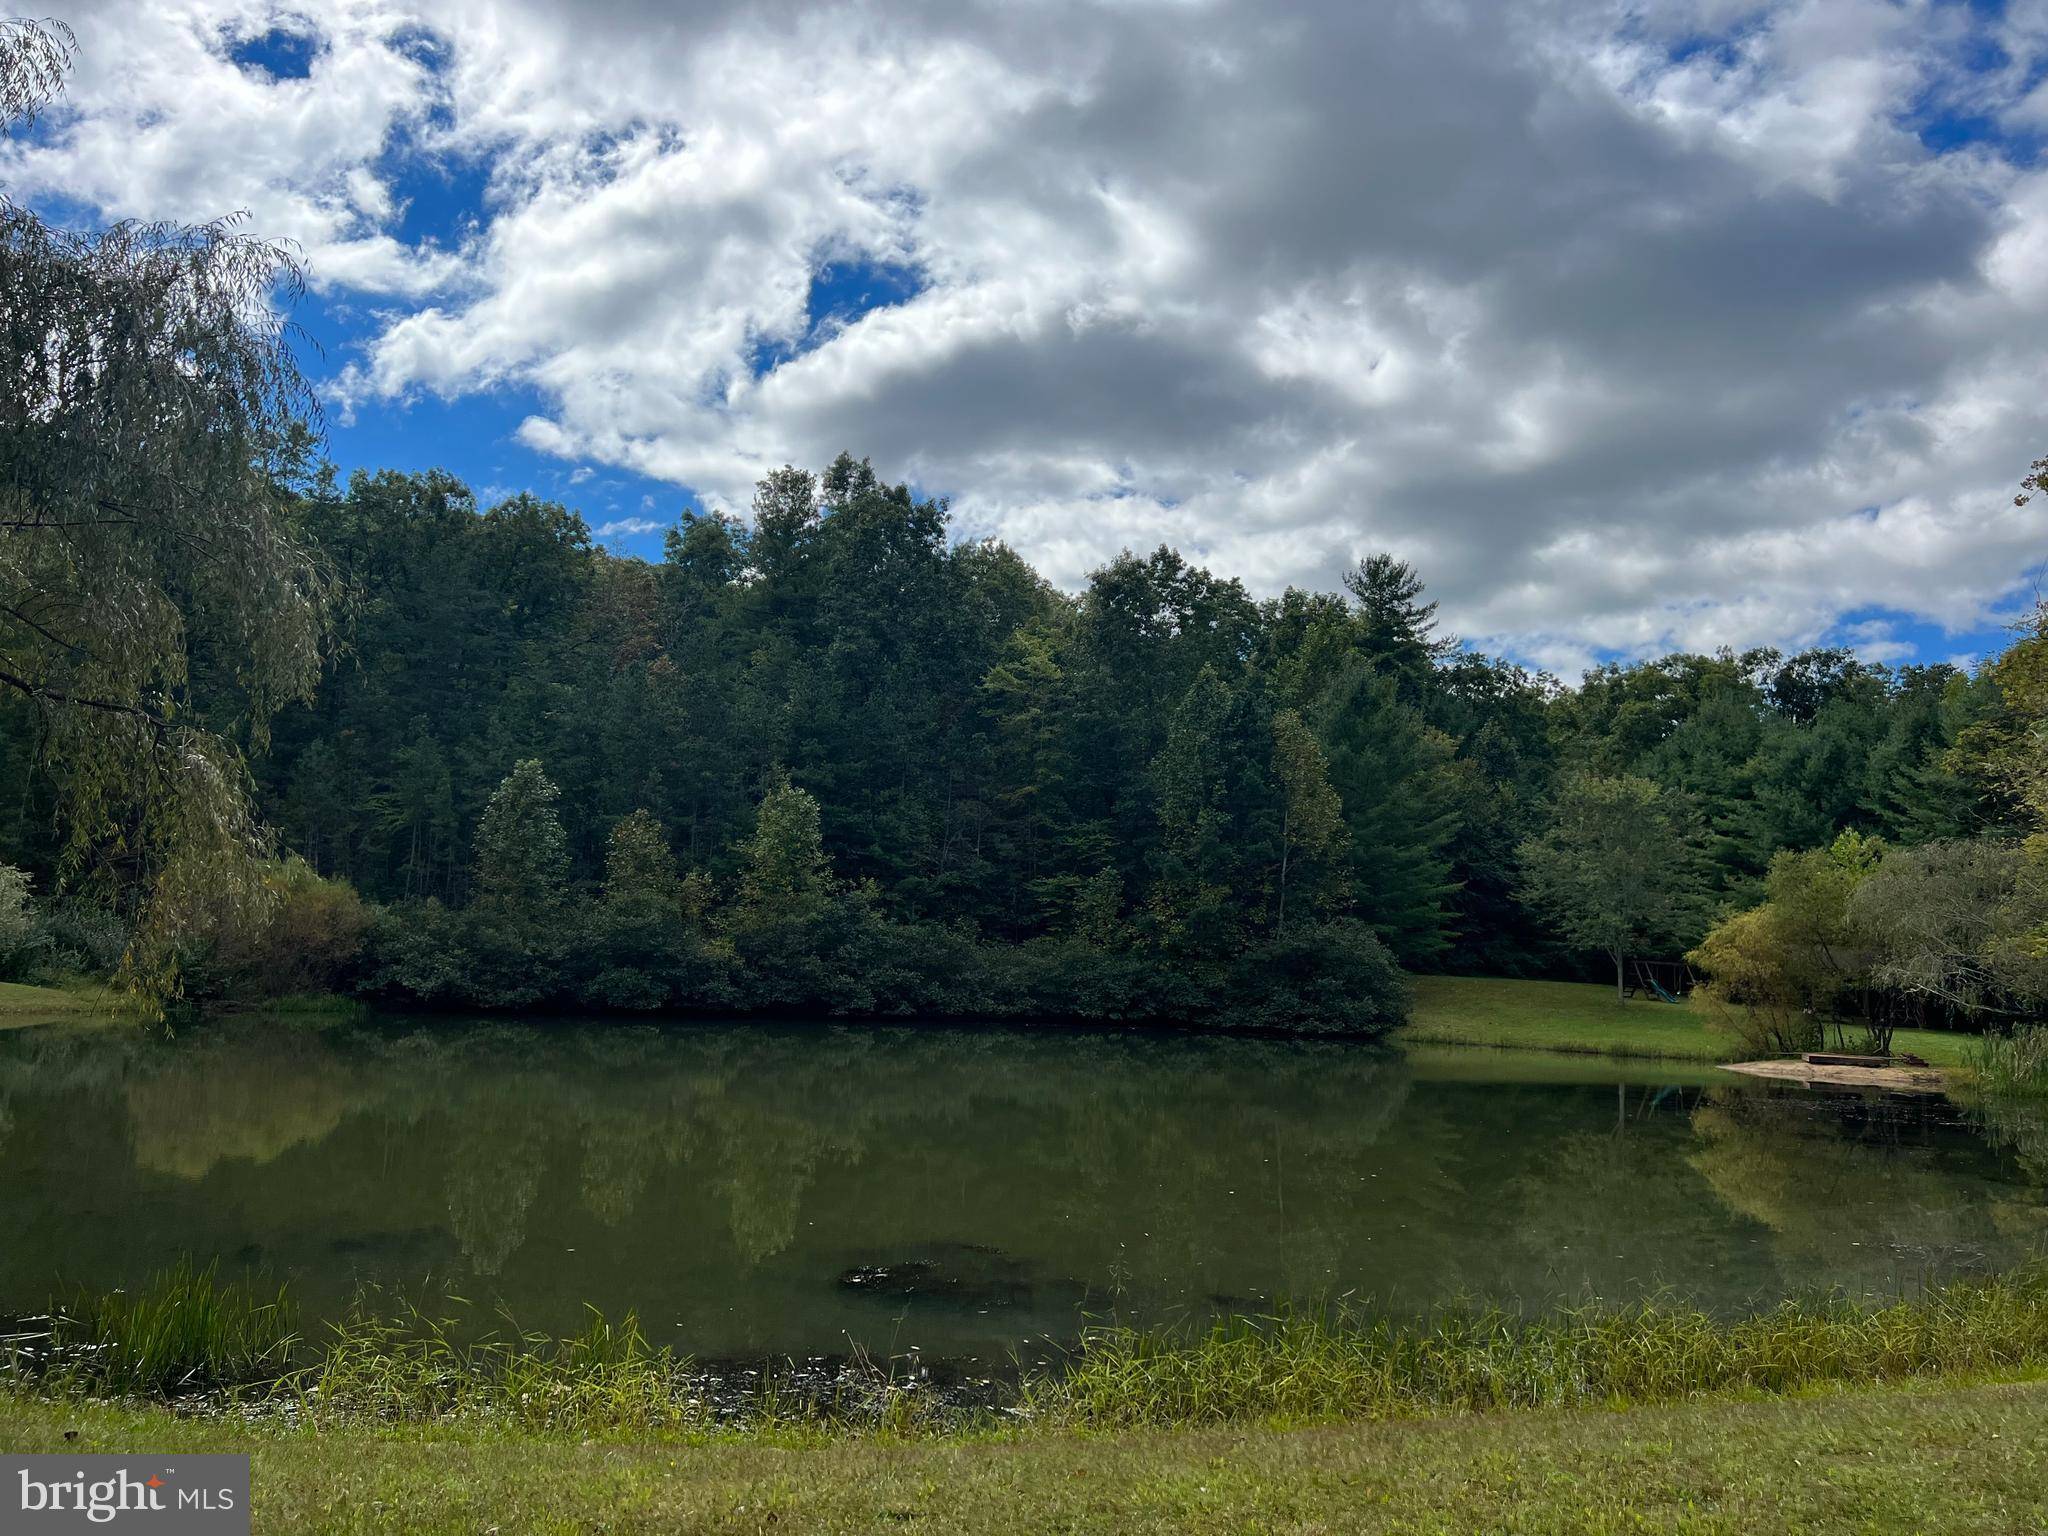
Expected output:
(154, 1481)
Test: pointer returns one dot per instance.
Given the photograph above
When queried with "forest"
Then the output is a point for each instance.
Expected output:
(829, 758)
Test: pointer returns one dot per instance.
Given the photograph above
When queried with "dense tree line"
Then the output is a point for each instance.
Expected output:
(828, 756)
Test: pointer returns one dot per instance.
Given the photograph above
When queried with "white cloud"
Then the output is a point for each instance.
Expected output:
(624, 526)
(1632, 326)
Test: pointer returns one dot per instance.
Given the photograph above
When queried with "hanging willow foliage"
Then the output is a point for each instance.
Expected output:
(149, 401)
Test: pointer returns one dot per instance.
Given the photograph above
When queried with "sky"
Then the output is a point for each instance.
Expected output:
(1633, 327)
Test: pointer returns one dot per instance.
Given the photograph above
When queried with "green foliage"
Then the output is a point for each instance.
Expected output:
(1954, 926)
(21, 929)
(1306, 1365)
(639, 865)
(187, 1331)
(1781, 971)
(1158, 777)
(1394, 774)
(1617, 868)
(522, 854)
(1312, 815)
(157, 605)
(2014, 1063)
(184, 1332)
(785, 876)
(305, 936)
(84, 937)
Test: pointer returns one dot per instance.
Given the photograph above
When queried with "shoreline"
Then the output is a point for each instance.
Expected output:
(1890, 1079)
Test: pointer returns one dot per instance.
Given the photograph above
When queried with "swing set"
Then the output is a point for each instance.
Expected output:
(1666, 980)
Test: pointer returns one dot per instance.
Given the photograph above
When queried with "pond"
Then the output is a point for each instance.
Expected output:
(755, 1190)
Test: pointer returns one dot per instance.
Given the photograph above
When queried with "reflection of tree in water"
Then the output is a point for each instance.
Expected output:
(494, 1170)
(767, 1167)
(1613, 1214)
(2019, 1127)
(250, 1094)
(619, 1153)
(1855, 1190)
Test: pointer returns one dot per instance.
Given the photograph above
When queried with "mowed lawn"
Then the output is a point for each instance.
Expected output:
(1577, 1016)
(1930, 1458)
(79, 1002)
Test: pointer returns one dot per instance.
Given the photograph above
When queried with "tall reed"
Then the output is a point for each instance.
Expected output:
(2014, 1063)
(1316, 1365)
(185, 1331)
(387, 1362)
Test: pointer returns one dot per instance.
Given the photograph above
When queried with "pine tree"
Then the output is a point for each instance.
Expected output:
(1394, 775)
(1396, 631)
(1192, 896)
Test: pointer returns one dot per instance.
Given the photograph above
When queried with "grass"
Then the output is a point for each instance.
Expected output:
(1941, 1458)
(188, 1331)
(1311, 1366)
(1819, 1417)
(1586, 1019)
(184, 1332)
(77, 1001)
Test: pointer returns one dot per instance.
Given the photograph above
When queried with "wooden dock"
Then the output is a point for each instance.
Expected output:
(1889, 1079)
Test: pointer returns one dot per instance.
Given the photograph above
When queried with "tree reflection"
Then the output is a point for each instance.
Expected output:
(1858, 1191)
(725, 1179)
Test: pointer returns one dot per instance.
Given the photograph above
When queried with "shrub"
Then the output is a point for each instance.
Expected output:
(1330, 978)
(21, 929)
(1747, 994)
(85, 936)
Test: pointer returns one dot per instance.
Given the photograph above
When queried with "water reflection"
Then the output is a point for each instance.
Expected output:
(786, 1189)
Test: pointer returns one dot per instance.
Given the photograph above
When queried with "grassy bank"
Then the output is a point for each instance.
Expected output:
(1817, 1417)
(73, 1002)
(188, 1334)
(1945, 1457)
(1587, 1019)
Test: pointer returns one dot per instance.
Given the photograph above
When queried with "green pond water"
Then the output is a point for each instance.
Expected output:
(752, 1190)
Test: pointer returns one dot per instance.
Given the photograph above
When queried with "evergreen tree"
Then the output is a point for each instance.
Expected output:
(1396, 630)
(1393, 773)
(1193, 903)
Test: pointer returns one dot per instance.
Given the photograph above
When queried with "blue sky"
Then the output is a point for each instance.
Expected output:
(475, 435)
(1682, 326)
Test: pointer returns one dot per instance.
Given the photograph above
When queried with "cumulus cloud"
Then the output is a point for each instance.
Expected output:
(622, 527)
(1632, 326)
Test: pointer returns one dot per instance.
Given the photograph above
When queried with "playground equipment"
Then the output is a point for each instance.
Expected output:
(1666, 980)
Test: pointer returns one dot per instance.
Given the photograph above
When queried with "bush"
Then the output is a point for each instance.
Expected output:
(84, 936)
(306, 937)
(1747, 994)
(21, 929)
(1333, 978)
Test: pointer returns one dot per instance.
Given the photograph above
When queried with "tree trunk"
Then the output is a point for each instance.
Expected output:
(1620, 987)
